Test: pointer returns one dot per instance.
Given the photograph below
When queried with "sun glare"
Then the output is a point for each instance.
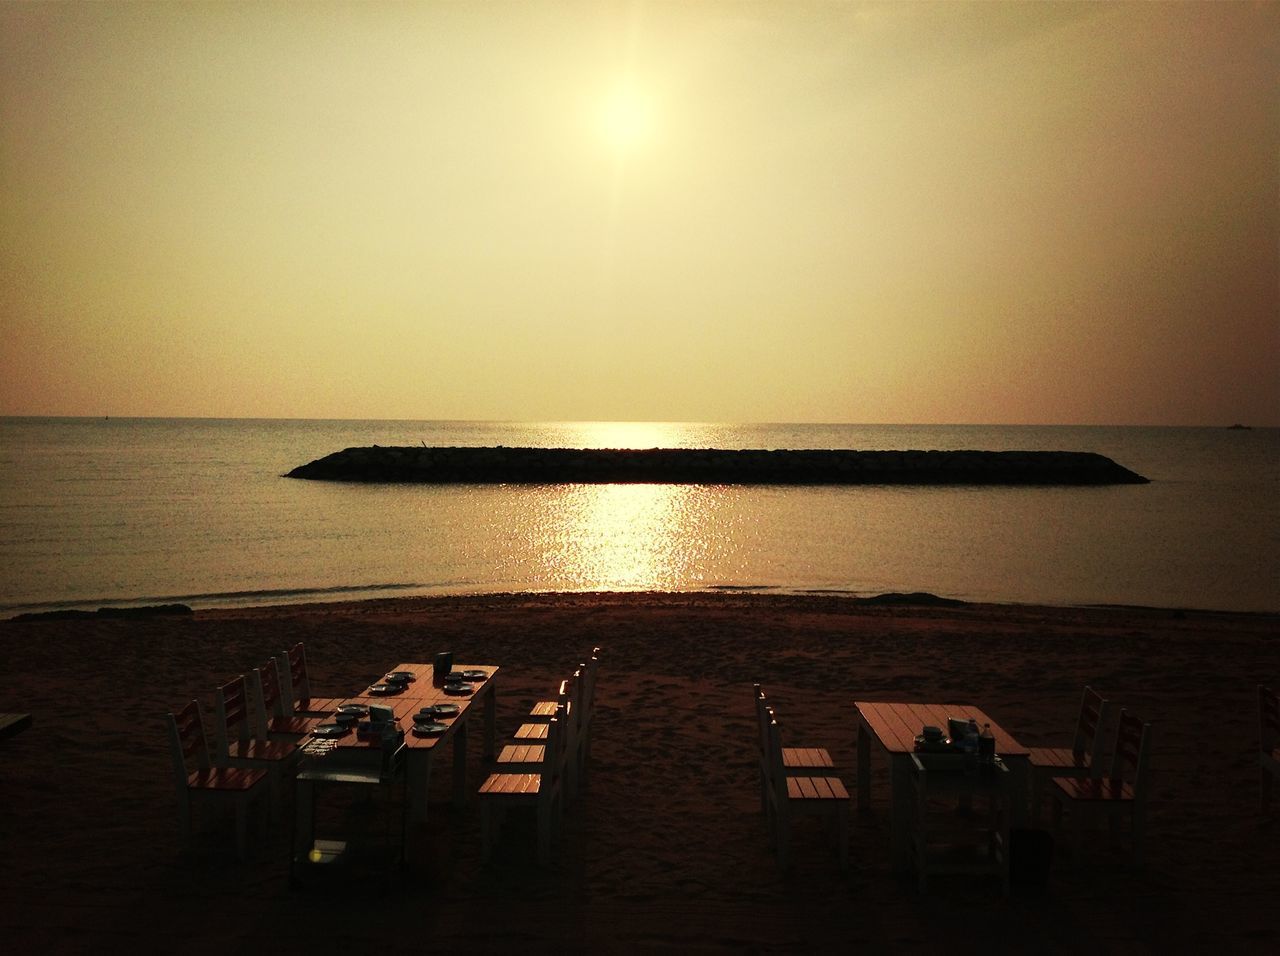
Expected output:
(626, 118)
(625, 435)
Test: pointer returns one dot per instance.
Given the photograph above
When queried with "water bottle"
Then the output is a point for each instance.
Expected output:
(970, 743)
(986, 747)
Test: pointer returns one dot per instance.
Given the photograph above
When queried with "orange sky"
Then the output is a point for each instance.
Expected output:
(789, 211)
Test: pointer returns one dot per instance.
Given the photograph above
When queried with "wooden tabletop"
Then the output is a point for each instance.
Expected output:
(896, 725)
(418, 694)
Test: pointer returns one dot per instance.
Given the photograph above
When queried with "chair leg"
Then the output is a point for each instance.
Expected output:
(486, 830)
(782, 836)
(1265, 792)
(545, 811)
(185, 823)
(276, 792)
(771, 820)
(242, 826)
(1139, 826)
(842, 835)
(1077, 833)
(584, 753)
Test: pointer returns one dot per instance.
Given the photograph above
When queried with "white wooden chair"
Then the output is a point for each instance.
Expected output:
(200, 782)
(581, 754)
(790, 796)
(272, 717)
(797, 761)
(295, 685)
(1084, 758)
(544, 710)
(1268, 743)
(1121, 794)
(972, 842)
(236, 745)
(526, 755)
(542, 790)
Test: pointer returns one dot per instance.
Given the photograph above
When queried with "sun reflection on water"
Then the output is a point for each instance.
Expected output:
(630, 537)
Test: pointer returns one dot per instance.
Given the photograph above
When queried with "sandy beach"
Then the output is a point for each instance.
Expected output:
(668, 849)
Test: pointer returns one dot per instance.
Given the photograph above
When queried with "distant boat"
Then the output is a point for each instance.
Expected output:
(1239, 427)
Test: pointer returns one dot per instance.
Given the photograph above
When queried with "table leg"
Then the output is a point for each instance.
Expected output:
(303, 816)
(491, 722)
(900, 814)
(1020, 789)
(460, 766)
(419, 774)
(864, 766)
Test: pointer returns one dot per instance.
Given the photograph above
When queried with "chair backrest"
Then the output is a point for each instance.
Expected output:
(762, 717)
(263, 688)
(187, 742)
(1268, 719)
(555, 756)
(1089, 740)
(268, 679)
(570, 696)
(588, 694)
(233, 715)
(1133, 747)
(296, 686)
(773, 759)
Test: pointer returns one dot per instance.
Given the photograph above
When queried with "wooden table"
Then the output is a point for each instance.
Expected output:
(895, 726)
(357, 755)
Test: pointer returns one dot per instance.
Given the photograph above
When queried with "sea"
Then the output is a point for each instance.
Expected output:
(107, 512)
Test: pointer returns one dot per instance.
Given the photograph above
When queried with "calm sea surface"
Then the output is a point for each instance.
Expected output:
(126, 511)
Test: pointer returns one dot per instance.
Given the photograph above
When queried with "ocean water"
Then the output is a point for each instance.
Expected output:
(98, 512)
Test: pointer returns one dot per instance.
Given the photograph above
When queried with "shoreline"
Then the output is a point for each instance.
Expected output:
(193, 604)
(667, 850)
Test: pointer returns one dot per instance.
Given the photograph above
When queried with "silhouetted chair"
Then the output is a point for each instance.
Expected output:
(1084, 758)
(273, 719)
(1268, 742)
(200, 782)
(544, 710)
(798, 761)
(581, 753)
(542, 791)
(295, 685)
(527, 756)
(1121, 794)
(236, 745)
(790, 796)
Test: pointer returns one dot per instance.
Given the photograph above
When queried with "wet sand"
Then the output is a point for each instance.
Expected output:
(668, 849)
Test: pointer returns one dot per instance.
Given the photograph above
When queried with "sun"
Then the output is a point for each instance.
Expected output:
(626, 118)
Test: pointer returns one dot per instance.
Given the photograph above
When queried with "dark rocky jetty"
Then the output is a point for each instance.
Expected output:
(432, 465)
(115, 613)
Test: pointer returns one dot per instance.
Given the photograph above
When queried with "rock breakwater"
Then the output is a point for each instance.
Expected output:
(501, 465)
